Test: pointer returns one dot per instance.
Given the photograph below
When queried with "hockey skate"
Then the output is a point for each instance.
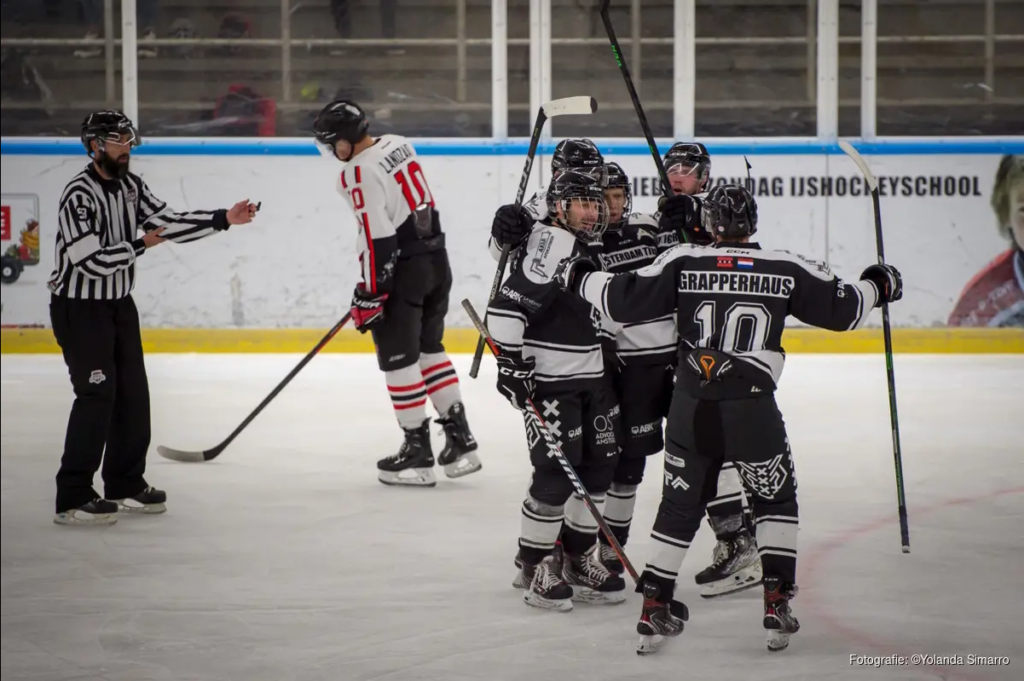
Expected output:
(96, 512)
(735, 566)
(609, 558)
(413, 465)
(545, 587)
(660, 619)
(459, 456)
(148, 501)
(778, 618)
(591, 581)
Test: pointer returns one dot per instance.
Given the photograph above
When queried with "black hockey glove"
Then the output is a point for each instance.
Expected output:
(569, 268)
(511, 225)
(515, 379)
(678, 214)
(888, 281)
(367, 308)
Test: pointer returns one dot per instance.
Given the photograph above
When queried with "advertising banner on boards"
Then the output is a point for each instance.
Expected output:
(951, 224)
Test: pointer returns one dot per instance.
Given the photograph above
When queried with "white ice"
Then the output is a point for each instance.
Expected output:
(286, 560)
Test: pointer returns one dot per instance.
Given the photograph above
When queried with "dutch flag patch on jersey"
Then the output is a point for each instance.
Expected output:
(744, 263)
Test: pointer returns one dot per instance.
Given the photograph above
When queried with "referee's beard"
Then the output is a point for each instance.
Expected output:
(115, 167)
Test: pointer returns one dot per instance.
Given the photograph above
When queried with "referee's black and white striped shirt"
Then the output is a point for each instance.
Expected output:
(99, 221)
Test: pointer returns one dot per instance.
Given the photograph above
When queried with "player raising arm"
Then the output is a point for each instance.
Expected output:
(731, 302)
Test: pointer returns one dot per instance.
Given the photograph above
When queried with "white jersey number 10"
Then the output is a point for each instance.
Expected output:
(417, 193)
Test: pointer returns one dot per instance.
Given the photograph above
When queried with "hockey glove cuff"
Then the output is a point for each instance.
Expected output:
(511, 225)
(887, 280)
(515, 379)
(567, 273)
(367, 308)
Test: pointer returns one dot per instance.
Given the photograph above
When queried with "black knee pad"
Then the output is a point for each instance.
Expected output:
(630, 470)
(551, 486)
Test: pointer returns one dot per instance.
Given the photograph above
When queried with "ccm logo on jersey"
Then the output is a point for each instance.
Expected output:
(774, 285)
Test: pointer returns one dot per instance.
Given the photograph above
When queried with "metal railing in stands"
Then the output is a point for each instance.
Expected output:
(822, 63)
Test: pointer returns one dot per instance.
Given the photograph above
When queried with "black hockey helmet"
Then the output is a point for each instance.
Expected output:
(108, 125)
(576, 202)
(689, 155)
(575, 153)
(342, 119)
(729, 212)
(615, 178)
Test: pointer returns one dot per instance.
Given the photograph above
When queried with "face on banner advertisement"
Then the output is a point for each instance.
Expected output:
(19, 238)
(940, 215)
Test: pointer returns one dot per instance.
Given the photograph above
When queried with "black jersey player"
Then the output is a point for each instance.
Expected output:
(731, 302)
(642, 359)
(550, 352)
(510, 226)
(734, 564)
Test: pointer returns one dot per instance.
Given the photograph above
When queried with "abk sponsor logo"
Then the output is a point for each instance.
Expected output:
(576, 433)
(519, 298)
(645, 428)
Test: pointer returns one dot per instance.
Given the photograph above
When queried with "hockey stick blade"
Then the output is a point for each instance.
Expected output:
(209, 454)
(855, 156)
(570, 106)
(187, 457)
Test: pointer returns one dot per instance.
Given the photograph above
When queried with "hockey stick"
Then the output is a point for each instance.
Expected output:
(620, 59)
(887, 336)
(556, 107)
(208, 454)
(553, 447)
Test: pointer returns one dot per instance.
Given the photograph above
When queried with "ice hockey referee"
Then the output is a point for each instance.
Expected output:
(96, 323)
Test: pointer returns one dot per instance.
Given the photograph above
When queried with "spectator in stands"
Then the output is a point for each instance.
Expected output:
(343, 23)
(92, 13)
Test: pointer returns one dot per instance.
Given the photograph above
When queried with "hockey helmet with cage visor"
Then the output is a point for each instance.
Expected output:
(575, 153)
(576, 202)
(618, 195)
(340, 121)
(688, 166)
(729, 212)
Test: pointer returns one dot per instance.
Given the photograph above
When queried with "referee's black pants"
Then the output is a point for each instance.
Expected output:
(102, 347)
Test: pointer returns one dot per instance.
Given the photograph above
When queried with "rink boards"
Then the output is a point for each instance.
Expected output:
(458, 341)
(277, 285)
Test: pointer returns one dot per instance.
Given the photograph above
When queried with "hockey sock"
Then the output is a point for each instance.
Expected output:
(580, 527)
(408, 395)
(441, 380)
(541, 524)
(776, 541)
(729, 501)
(667, 554)
(618, 511)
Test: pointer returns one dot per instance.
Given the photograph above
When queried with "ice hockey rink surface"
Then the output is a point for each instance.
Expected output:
(285, 560)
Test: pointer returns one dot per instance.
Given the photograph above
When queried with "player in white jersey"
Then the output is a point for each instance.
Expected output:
(403, 295)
